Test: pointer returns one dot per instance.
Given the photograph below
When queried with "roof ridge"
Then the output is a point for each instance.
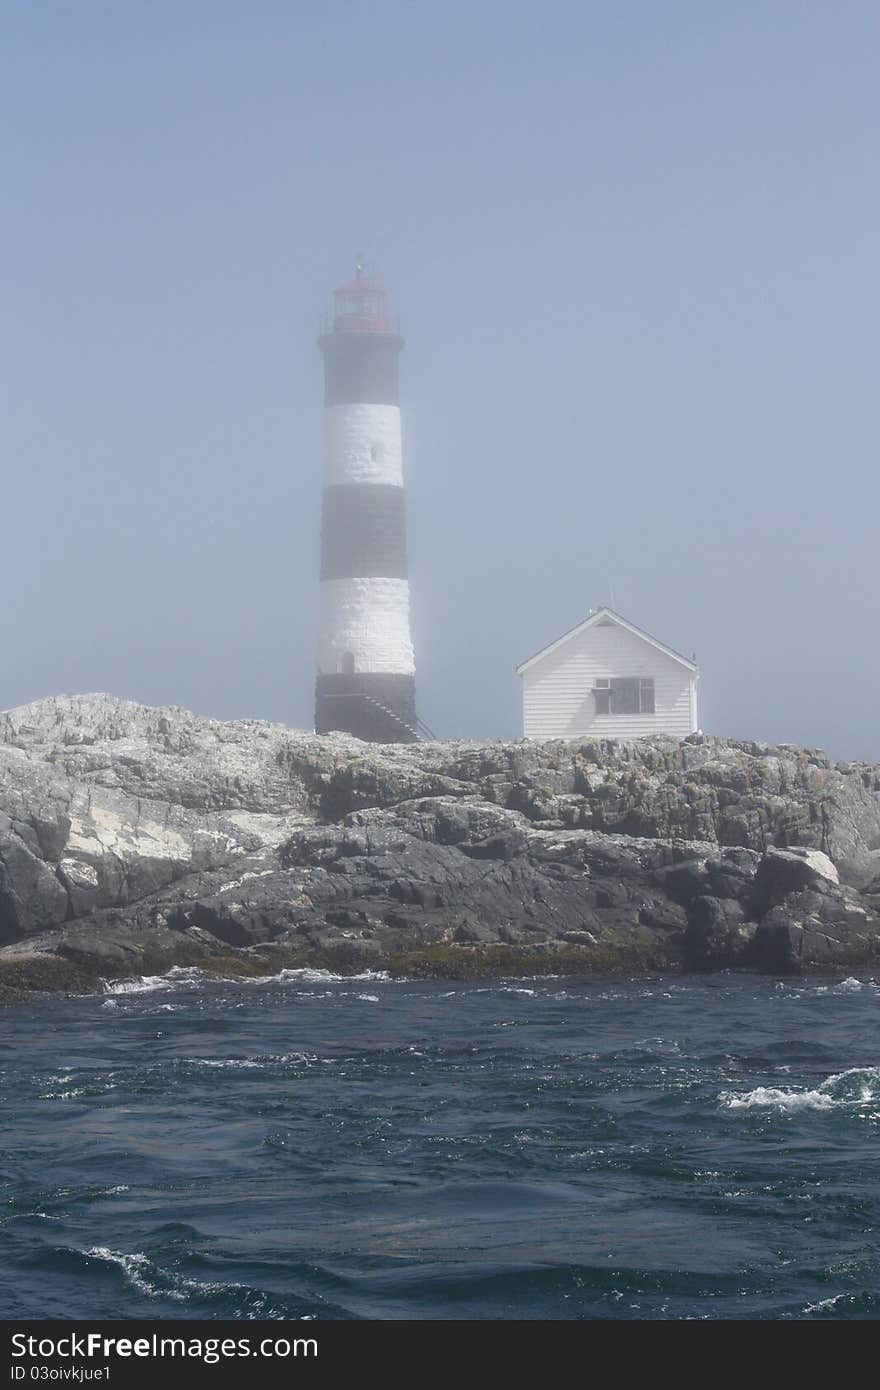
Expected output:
(591, 618)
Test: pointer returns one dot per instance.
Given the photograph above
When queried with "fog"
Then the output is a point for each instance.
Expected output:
(634, 249)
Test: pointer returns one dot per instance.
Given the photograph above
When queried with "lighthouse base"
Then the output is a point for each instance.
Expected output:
(377, 706)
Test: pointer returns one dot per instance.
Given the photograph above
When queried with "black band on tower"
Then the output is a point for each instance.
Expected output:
(361, 368)
(379, 707)
(363, 532)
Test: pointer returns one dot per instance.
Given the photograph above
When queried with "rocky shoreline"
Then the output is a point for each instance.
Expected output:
(134, 839)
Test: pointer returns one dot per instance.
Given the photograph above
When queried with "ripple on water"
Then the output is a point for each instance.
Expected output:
(313, 1146)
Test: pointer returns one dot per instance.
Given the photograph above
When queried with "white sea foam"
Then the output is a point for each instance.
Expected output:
(851, 985)
(253, 1063)
(149, 1279)
(308, 976)
(144, 1275)
(185, 976)
(853, 1089)
(176, 978)
(225, 1063)
(825, 1305)
(769, 1097)
(98, 1087)
(137, 1268)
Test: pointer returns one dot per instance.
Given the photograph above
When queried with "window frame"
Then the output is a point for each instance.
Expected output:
(645, 695)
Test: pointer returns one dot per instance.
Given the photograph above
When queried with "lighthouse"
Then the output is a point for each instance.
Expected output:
(366, 669)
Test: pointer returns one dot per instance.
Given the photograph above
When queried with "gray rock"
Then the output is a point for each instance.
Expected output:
(714, 939)
(128, 834)
(784, 871)
(779, 942)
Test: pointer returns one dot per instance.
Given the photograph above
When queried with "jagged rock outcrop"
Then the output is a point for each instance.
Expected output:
(133, 836)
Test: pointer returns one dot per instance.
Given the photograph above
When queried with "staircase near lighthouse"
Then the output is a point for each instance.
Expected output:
(366, 670)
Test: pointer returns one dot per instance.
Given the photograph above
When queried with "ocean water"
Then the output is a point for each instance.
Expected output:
(311, 1147)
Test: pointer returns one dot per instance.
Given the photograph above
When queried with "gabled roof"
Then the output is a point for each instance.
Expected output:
(596, 617)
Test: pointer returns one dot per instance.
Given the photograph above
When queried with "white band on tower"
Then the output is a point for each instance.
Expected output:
(365, 627)
(362, 444)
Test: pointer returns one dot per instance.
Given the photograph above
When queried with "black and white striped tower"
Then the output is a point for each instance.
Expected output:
(366, 671)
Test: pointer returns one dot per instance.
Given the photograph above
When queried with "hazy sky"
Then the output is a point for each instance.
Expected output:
(634, 246)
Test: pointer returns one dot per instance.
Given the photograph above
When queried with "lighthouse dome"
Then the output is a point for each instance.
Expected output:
(361, 304)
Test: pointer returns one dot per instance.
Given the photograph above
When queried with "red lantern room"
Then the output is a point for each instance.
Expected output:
(361, 305)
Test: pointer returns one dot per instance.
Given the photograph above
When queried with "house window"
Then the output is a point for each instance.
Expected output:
(346, 664)
(624, 695)
(377, 453)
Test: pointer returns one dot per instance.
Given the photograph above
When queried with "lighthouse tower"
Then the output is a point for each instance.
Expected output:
(366, 672)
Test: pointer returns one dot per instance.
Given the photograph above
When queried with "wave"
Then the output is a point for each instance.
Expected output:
(184, 976)
(314, 976)
(250, 1063)
(226, 1298)
(175, 978)
(144, 1275)
(139, 1271)
(853, 1089)
(826, 1305)
(855, 1303)
(787, 989)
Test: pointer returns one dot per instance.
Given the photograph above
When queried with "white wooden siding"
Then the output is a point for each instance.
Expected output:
(557, 690)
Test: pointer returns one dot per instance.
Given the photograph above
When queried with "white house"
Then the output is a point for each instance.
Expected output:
(609, 679)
